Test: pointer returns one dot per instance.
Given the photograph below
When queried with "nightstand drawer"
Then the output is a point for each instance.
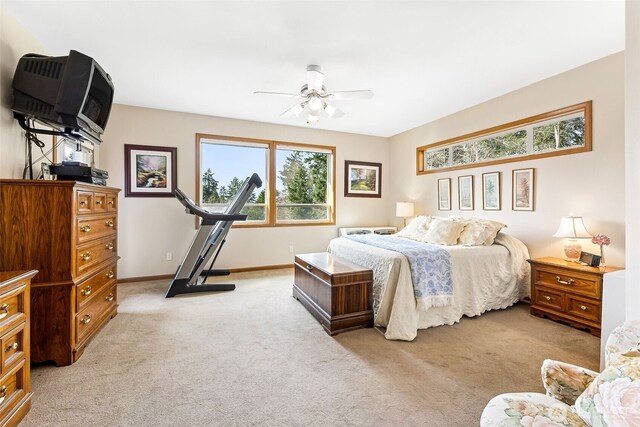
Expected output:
(584, 308)
(548, 298)
(570, 281)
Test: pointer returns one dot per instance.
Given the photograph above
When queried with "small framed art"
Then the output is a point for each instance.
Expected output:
(522, 184)
(491, 191)
(465, 193)
(362, 179)
(150, 171)
(444, 194)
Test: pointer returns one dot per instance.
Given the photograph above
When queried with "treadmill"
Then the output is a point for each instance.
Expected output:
(191, 275)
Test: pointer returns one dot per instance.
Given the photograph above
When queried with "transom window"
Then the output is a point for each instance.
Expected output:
(298, 180)
(560, 132)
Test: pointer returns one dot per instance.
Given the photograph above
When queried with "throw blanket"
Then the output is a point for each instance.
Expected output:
(430, 268)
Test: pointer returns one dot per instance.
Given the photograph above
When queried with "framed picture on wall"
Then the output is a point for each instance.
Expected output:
(444, 194)
(465, 193)
(491, 191)
(522, 183)
(362, 179)
(150, 171)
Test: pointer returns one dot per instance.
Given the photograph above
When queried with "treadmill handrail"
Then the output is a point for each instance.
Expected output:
(193, 209)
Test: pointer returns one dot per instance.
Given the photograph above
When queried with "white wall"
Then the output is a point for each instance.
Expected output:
(150, 227)
(632, 135)
(15, 41)
(588, 184)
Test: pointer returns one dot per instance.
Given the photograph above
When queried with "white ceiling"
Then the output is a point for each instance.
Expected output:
(423, 60)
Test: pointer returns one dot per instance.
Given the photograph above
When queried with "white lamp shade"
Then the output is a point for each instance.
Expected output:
(572, 227)
(404, 209)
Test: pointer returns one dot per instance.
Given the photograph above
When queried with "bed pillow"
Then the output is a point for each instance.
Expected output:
(416, 229)
(496, 227)
(476, 233)
(444, 232)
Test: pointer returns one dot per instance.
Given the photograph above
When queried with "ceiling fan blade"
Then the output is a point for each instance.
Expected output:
(295, 110)
(349, 94)
(315, 78)
(288, 95)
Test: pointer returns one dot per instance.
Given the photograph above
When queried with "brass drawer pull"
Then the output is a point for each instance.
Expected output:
(109, 223)
(4, 310)
(83, 203)
(98, 202)
(548, 298)
(86, 319)
(111, 202)
(109, 246)
(3, 393)
(110, 275)
(564, 282)
(109, 298)
(10, 347)
(584, 308)
(86, 291)
(86, 256)
(85, 228)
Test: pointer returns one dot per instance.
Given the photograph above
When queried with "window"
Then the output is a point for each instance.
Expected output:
(298, 181)
(560, 132)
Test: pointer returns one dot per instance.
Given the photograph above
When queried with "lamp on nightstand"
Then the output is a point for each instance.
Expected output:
(572, 228)
(404, 210)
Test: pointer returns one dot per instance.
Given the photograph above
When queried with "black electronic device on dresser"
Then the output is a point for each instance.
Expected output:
(77, 171)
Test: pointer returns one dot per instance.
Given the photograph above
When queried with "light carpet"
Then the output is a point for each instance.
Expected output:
(256, 357)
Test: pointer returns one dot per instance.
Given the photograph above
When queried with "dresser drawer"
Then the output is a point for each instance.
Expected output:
(584, 308)
(92, 313)
(84, 202)
(12, 346)
(91, 254)
(99, 202)
(548, 298)
(574, 283)
(112, 202)
(89, 288)
(12, 308)
(90, 228)
(12, 388)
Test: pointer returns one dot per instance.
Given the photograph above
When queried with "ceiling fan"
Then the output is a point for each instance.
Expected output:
(315, 97)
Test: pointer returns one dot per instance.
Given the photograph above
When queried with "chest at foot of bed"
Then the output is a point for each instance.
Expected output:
(336, 292)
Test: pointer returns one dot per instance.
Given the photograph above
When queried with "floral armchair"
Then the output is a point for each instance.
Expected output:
(577, 396)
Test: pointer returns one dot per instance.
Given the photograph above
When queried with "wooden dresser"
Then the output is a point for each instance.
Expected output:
(68, 231)
(568, 292)
(15, 385)
(337, 292)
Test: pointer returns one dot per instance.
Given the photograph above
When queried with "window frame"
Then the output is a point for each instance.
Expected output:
(271, 207)
(529, 122)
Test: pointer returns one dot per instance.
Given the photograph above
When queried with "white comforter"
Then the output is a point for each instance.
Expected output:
(484, 278)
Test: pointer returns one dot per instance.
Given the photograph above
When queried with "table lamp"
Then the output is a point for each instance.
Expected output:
(404, 210)
(572, 228)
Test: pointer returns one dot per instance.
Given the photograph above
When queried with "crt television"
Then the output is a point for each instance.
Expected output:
(72, 93)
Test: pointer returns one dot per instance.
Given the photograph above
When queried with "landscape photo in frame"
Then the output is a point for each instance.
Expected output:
(444, 194)
(465, 193)
(523, 189)
(491, 191)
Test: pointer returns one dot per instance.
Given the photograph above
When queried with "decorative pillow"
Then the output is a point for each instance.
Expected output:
(495, 229)
(475, 233)
(444, 232)
(613, 398)
(416, 229)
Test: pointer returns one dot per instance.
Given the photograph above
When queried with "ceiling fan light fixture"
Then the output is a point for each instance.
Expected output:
(297, 109)
(315, 104)
(329, 109)
(312, 119)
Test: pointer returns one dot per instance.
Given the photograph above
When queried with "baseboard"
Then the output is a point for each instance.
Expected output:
(232, 270)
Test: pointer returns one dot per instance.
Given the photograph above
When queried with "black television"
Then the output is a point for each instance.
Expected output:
(72, 94)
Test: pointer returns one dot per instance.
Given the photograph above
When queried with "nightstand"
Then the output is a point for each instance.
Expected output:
(567, 292)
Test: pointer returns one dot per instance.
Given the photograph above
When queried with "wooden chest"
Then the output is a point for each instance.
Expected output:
(335, 291)
(567, 292)
(15, 377)
(68, 231)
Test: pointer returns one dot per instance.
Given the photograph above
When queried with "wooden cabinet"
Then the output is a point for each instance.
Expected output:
(68, 231)
(568, 292)
(15, 385)
(335, 291)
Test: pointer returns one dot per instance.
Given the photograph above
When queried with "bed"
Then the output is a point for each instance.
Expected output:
(484, 278)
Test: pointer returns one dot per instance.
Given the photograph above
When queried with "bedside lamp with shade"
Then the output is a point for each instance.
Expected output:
(572, 228)
(404, 210)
